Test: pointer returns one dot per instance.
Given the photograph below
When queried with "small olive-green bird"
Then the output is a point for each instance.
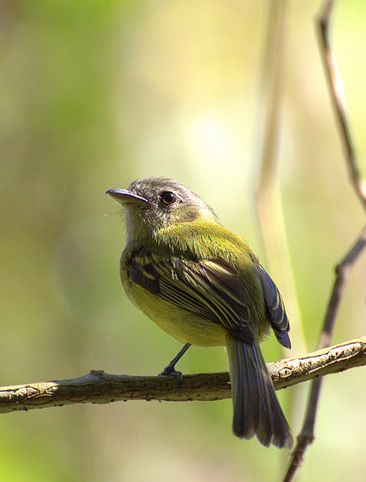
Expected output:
(203, 285)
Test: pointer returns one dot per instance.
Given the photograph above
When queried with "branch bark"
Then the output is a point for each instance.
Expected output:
(100, 387)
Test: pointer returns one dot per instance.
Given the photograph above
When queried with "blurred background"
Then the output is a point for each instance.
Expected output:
(96, 93)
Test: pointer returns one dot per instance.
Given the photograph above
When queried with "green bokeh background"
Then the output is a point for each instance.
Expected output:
(96, 93)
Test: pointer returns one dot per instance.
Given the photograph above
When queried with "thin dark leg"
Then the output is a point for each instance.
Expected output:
(170, 368)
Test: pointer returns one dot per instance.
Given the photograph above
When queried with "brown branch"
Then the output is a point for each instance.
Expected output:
(336, 91)
(100, 387)
(306, 436)
(335, 85)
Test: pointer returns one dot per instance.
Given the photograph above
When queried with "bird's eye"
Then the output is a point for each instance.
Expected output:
(168, 197)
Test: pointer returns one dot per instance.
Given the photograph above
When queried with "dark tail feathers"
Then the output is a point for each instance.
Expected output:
(256, 408)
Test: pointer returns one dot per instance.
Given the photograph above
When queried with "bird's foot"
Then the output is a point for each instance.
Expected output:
(170, 371)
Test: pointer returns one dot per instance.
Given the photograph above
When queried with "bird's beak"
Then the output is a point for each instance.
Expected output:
(127, 197)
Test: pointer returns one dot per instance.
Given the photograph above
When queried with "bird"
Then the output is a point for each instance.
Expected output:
(203, 285)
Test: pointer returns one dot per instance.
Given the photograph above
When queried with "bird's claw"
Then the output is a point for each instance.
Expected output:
(170, 371)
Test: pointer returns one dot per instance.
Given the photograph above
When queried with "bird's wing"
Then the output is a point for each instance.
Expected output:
(275, 307)
(211, 289)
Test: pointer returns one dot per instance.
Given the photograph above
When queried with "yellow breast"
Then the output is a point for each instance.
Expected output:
(181, 324)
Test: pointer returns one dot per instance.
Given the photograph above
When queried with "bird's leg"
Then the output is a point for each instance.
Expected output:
(170, 370)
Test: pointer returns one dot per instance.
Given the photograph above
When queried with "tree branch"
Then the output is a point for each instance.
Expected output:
(336, 90)
(337, 97)
(306, 436)
(100, 387)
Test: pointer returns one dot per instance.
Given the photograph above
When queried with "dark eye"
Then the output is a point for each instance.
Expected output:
(168, 197)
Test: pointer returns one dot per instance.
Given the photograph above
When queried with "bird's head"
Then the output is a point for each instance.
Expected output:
(157, 202)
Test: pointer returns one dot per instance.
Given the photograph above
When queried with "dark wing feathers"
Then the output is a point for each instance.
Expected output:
(276, 308)
(209, 288)
(212, 289)
(144, 275)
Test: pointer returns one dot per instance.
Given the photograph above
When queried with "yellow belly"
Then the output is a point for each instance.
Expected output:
(181, 324)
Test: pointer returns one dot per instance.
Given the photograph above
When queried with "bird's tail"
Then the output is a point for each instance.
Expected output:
(256, 408)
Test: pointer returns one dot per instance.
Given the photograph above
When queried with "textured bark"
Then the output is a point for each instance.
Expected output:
(100, 387)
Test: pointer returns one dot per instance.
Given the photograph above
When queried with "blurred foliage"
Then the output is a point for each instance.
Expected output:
(95, 93)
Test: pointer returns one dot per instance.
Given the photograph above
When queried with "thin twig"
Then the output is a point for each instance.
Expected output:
(336, 90)
(342, 270)
(100, 387)
(306, 436)
(268, 198)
